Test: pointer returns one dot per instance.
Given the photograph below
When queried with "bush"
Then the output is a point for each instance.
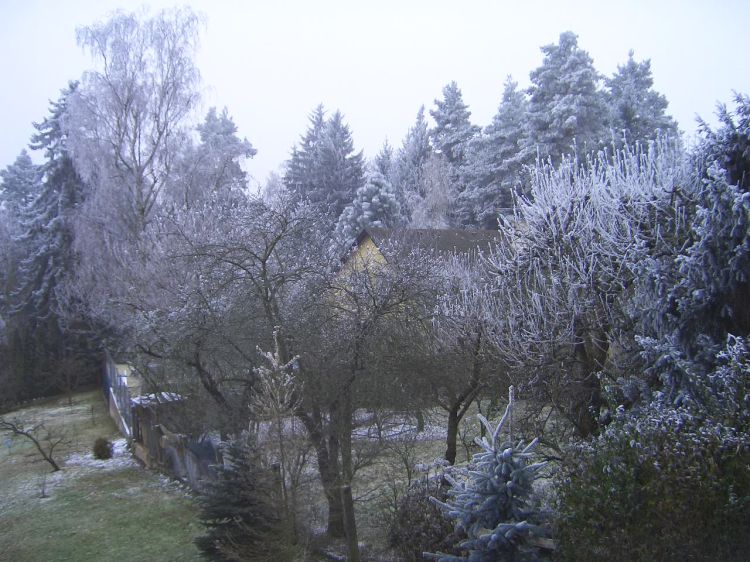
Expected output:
(663, 486)
(419, 525)
(102, 448)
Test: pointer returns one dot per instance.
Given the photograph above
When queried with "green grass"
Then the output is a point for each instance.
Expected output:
(107, 510)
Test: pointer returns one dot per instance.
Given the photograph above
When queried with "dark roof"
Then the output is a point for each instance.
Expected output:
(443, 241)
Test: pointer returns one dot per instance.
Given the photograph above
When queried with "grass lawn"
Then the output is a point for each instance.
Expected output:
(95, 510)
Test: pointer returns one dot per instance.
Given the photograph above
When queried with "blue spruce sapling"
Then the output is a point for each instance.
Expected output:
(491, 498)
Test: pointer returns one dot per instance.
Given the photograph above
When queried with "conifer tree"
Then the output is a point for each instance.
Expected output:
(20, 184)
(375, 204)
(408, 167)
(453, 129)
(493, 170)
(239, 510)
(567, 110)
(490, 501)
(47, 219)
(384, 160)
(40, 320)
(324, 170)
(636, 110)
(342, 169)
(214, 165)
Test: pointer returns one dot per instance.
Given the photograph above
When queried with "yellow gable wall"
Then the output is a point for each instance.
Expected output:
(364, 257)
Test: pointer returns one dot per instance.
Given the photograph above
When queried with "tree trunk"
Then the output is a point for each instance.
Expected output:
(452, 435)
(345, 414)
(350, 523)
(327, 451)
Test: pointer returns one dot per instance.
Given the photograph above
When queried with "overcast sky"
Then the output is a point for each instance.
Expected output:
(271, 62)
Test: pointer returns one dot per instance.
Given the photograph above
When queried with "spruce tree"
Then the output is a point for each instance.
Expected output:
(20, 184)
(341, 168)
(384, 161)
(213, 167)
(453, 129)
(240, 511)
(47, 220)
(493, 170)
(48, 342)
(408, 167)
(491, 500)
(325, 170)
(300, 177)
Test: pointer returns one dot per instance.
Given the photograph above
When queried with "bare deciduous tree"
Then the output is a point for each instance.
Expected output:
(44, 439)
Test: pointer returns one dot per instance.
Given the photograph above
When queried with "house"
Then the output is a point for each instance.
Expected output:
(378, 245)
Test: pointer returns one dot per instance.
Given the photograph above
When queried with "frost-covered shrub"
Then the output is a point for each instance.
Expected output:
(491, 500)
(102, 448)
(419, 525)
(663, 485)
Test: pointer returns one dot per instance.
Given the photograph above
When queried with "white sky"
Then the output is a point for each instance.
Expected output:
(271, 62)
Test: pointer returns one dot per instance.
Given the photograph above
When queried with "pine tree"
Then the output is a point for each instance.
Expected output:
(493, 170)
(453, 129)
(375, 204)
(239, 510)
(636, 110)
(567, 110)
(491, 501)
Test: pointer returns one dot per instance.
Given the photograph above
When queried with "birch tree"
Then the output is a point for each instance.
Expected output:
(129, 117)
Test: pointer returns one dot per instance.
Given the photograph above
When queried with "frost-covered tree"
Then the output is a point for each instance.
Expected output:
(433, 204)
(375, 204)
(567, 110)
(453, 129)
(384, 161)
(341, 168)
(324, 170)
(408, 165)
(682, 421)
(637, 111)
(44, 234)
(302, 168)
(20, 183)
(129, 116)
(697, 293)
(214, 165)
(493, 169)
(490, 499)
(467, 365)
(47, 220)
(561, 281)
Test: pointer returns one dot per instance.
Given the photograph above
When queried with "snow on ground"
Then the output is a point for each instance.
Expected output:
(75, 466)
